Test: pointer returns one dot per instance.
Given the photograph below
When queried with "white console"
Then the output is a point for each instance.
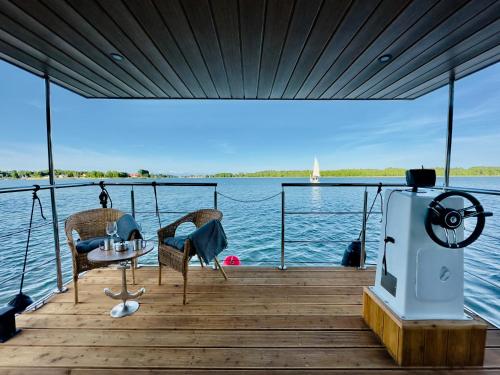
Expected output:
(419, 278)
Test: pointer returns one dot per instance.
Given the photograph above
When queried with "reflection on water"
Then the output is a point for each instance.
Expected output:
(253, 229)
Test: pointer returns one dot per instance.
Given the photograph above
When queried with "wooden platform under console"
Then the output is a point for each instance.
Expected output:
(425, 342)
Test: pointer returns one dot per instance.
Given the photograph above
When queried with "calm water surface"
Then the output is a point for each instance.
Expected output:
(253, 229)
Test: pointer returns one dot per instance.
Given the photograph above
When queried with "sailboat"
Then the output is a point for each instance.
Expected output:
(314, 178)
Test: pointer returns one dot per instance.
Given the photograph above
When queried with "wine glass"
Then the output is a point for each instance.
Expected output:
(111, 228)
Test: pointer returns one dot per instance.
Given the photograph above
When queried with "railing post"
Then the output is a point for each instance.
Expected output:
(282, 264)
(132, 201)
(55, 220)
(215, 198)
(449, 131)
(362, 253)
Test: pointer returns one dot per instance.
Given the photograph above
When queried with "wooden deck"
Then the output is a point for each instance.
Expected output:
(261, 321)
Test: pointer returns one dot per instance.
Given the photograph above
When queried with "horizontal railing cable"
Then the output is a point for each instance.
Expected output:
(248, 200)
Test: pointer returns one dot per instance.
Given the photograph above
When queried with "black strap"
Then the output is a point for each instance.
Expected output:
(156, 203)
(104, 196)
(35, 199)
(379, 193)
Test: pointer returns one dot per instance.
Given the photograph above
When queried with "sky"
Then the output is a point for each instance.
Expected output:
(199, 137)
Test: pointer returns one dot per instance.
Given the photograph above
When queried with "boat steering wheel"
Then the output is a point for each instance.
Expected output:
(450, 219)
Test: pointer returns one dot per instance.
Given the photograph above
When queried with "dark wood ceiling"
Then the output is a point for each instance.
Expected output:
(251, 49)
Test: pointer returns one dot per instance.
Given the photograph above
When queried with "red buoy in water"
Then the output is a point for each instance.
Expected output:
(232, 260)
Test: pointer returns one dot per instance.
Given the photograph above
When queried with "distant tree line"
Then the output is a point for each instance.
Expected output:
(386, 172)
(143, 173)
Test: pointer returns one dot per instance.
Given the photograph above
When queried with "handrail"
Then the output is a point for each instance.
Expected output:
(469, 190)
(339, 184)
(17, 189)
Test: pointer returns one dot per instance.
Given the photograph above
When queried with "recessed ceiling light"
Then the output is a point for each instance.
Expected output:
(385, 58)
(116, 56)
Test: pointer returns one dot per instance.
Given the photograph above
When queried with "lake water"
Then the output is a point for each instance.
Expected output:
(253, 228)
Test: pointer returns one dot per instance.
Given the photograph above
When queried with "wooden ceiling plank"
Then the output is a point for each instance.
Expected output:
(355, 20)
(47, 60)
(90, 42)
(126, 20)
(437, 36)
(417, 30)
(146, 13)
(94, 14)
(380, 19)
(474, 46)
(414, 11)
(52, 29)
(484, 64)
(252, 18)
(70, 66)
(226, 19)
(30, 69)
(199, 15)
(278, 16)
(471, 52)
(329, 19)
(42, 66)
(479, 62)
(175, 19)
(303, 19)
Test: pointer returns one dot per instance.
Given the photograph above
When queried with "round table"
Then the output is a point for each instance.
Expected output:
(98, 255)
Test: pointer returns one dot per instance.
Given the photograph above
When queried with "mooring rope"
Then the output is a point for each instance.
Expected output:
(248, 200)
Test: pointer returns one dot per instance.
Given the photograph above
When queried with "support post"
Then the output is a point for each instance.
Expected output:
(449, 132)
(55, 220)
(132, 202)
(282, 264)
(215, 198)
(363, 231)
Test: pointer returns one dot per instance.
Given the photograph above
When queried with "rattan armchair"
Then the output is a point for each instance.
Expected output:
(88, 224)
(179, 260)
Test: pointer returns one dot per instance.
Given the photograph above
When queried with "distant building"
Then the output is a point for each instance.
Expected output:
(134, 175)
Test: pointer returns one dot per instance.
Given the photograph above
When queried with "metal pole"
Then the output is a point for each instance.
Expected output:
(363, 231)
(215, 197)
(55, 221)
(282, 265)
(449, 133)
(132, 201)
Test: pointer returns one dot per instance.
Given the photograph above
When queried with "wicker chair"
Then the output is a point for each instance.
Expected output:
(88, 224)
(179, 260)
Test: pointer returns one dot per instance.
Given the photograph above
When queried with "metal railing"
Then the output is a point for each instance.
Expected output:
(364, 214)
(54, 222)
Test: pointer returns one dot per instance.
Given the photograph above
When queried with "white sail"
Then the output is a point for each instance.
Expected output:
(315, 175)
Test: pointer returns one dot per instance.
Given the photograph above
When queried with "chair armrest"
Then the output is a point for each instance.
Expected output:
(169, 230)
(68, 229)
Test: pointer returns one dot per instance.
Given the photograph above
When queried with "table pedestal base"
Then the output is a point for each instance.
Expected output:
(126, 307)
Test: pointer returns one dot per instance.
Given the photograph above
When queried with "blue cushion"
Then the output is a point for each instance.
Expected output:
(176, 242)
(86, 246)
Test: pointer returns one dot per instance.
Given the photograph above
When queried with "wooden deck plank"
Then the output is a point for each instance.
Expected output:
(219, 281)
(216, 358)
(269, 322)
(237, 290)
(196, 338)
(108, 371)
(220, 298)
(168, 308)
(227, 322)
